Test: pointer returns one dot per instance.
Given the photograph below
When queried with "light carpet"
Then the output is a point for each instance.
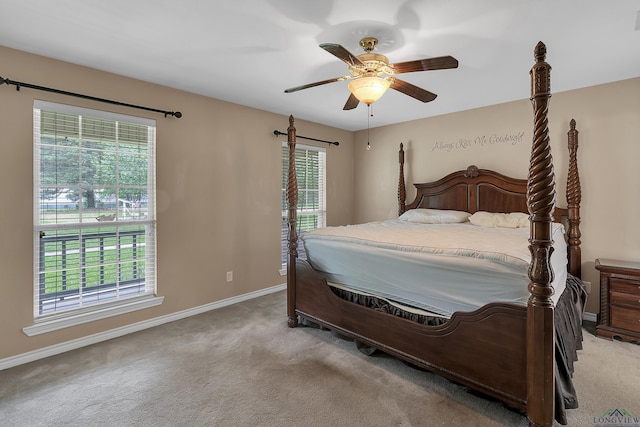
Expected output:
(242, 366)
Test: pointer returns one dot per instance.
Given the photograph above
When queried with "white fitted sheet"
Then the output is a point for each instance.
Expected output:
(441, 268)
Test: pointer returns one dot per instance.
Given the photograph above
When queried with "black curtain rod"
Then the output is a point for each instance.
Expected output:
(277, 133)
(18, 85)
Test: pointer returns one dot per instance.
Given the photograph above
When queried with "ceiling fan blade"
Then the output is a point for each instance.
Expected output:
(308, 85)
(341, 53)
(352, 102)
(413, 91)
(439, 63)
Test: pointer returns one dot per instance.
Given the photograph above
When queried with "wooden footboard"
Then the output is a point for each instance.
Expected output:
(484, 350)
(504, 350)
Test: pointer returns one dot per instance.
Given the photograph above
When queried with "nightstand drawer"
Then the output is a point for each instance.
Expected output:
(626, 300)
(625, 318)
(631, 287)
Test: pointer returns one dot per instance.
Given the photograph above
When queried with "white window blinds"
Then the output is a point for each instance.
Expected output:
(310, 173)
(94, 208)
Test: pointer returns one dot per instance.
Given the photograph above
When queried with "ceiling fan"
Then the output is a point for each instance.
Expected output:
(371, 74)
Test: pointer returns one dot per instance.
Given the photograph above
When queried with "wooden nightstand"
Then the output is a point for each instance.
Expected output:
(619, 300)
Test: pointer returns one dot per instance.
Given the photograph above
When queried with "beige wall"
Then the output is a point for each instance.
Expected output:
(218, 180)
(607, 119)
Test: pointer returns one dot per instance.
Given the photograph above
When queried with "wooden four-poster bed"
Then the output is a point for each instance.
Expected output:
(520, 352)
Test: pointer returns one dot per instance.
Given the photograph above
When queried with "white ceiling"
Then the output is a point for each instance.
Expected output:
(249, 51)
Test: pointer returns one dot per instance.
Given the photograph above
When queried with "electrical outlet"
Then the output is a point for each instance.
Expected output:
(229, 276)
(587, 286)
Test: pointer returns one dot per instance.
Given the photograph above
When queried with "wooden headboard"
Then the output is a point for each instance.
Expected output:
(474, 190)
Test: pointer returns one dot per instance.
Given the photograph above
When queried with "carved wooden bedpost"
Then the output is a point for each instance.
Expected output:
(402, 193)
(292, 235)
(541, 195)
(574, 196)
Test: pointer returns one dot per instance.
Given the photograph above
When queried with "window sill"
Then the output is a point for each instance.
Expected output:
(67, 320)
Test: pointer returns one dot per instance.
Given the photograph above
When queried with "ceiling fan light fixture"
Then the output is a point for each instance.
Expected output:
(369, 89)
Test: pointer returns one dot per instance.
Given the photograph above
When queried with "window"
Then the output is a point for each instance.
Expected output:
(94, 210)
(310, 172)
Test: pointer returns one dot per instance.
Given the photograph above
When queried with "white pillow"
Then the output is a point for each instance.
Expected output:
(503, 220)
(435, 216)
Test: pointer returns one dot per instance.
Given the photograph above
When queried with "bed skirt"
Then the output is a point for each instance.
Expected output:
(568, 326)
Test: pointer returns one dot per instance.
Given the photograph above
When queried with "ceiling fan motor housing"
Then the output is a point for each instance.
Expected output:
(373, 65)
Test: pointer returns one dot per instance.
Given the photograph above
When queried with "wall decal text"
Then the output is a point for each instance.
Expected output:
(479, 141)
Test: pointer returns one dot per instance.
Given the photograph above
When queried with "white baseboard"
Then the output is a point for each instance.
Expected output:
(591, 317)
(32, 356)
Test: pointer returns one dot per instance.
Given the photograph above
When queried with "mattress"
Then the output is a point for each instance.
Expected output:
(440, 268)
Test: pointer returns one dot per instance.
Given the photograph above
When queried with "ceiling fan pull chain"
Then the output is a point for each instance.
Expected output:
(369, 114)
